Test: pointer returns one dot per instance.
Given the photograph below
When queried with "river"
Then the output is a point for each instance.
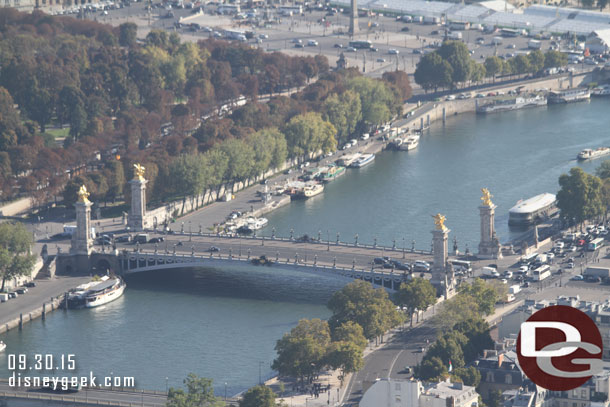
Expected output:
(223, 324)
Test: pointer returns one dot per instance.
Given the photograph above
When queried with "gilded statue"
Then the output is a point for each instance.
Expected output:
(83, 194)
(439, 221)
(486, 198)
(139, 172)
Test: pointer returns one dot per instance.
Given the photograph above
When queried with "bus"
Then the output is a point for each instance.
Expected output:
(530, 258)
(541, 273)
(361, 44)
(509, 32)
(461, 265)
(291, 10)
(595, 244)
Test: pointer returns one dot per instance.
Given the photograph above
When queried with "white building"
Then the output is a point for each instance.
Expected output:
(598, 41)
(412, 393)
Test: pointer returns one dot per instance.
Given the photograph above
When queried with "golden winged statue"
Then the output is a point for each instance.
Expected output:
(486, 198)
(83, 194)
(439, 221)
(139, 172)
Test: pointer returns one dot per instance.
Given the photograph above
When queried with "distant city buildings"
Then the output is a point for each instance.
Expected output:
(413, 393)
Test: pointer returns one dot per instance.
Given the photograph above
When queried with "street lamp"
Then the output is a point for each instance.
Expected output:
(260, 381)
(166, 384)
(225, 392)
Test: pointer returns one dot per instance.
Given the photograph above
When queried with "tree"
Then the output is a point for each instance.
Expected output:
(555, 59)
(416, 294)
(477, 71)
(459, 308)
(127, 34)
(350, 332)
(189, 175)
(449, 348)
(493, 66)
(536, 60)
(346, 356)
(457, 55)
(301, 352)
(602, 4)
(495, 396)
(371, 308)
(344, 112)
(520, 64)
(15, 257)
(603, 171)
(430, 369)
(378, 102)
(477, 332)
(308, 133)
(433, 72)
(484, 294)
(258, 396)
(115, 175)
(470, 376)
(588, 3)
(240, 159)
(580, 196)
(400, 80)
(199, 393)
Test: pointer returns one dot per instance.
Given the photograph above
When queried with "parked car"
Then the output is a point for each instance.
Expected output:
(30, 284)
(577, 278)
(123, 239)
(156, 239)
(21, 291)
(12, 295)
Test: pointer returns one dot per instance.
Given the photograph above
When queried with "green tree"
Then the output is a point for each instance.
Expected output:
(603, 171)
(555, 59)
(308, 133)
(477, 71)
(350, 332)
(457, 55)
(580, 196)
(495, 396)
(470, 376)
(199, 393)
(459, 308)
(602, 4)
(430, 369)
(416, 294)
(15, 257)
(477, 332)
(39, 103)
(449, 348)
(378, 102)
(536, 60)
(115, 175)
(493, 66)
(369, 307)
(346, 356)
(240, 159)
(301, 352)
(520, 64)
(189, 175)
(433, 72)
(127, 34)
(484, 294)
(344, 112)
(258, 396)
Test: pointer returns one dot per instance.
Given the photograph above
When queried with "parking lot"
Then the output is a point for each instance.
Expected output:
(396, 44)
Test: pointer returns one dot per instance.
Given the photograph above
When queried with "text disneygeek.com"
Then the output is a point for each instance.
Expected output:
(67, 383)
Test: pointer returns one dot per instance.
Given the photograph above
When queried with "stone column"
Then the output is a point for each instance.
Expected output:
(489, 246)
(440, 278)
(137, 214)
(82, 241)
(353, 21)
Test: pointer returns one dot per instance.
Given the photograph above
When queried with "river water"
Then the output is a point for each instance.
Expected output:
(223, 324)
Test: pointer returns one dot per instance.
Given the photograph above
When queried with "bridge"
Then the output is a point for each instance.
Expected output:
(186, 250)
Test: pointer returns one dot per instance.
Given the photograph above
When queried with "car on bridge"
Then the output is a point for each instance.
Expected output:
(123, 239)
(381, 260)
(156, 239)
(421, 265)
(214, 249)
(400, 265)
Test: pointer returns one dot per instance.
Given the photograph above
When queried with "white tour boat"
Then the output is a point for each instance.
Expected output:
(97, 293)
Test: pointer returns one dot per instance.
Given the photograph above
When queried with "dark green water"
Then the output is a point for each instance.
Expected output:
(224, 324)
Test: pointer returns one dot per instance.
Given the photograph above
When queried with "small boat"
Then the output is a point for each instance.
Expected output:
(2, 346)
(256, 223)
(569, 95)
(332, 173)
(396, 143)
(590, 154)
(311, 190)
(363, 160)
(603, 90)
(410, 143)
(97, 293)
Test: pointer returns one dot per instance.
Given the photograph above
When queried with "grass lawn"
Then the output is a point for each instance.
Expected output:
(58, 133)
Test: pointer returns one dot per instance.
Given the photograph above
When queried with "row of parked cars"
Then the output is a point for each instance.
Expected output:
(4, 297)
(389, 263)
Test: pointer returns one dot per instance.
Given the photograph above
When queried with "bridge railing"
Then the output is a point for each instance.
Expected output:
(300, 262)
(80, 399)
(394, 248)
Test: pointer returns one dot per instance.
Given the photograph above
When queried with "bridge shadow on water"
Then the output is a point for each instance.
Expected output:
(260, 283)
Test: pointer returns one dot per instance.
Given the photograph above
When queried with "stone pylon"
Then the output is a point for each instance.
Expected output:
(353, 20)
(489, 246)
(82, 239)
(442, 272)
(137, 213)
